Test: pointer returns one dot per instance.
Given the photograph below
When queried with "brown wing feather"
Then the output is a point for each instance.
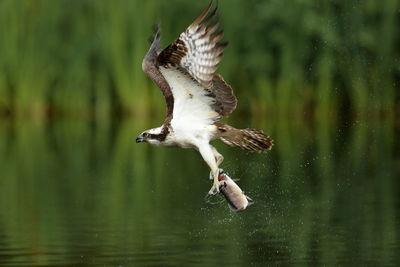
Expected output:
(197, 53)
(197, 50)
(225, 99)
(150, 67)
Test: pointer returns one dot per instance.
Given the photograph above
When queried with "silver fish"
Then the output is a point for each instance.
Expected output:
(237, 200)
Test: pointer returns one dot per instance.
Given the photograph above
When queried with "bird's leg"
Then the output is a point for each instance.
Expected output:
(219, 158)
(206, 152)
(216, 184)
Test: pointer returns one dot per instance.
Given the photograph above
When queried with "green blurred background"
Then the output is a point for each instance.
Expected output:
(304, 58)
(320, 77)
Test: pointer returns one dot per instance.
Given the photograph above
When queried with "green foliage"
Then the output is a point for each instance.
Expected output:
(306, 58)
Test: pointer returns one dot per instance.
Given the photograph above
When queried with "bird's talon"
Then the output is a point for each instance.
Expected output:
(213, 191)
(215, 188)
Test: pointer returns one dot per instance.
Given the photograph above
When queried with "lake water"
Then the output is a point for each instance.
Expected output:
(84, 193)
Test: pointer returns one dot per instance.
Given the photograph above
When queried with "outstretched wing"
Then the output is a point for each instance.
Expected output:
(150, 67)
(185, 72)
(197, 50)
(189, 65)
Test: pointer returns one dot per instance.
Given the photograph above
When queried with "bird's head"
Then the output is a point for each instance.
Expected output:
(153, 136)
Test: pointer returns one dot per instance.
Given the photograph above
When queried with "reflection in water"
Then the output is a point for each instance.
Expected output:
(77, 192)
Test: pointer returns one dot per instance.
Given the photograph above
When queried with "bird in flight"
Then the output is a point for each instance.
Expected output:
(196, 97)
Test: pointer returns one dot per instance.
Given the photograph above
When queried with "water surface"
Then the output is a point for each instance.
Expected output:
(84, 193)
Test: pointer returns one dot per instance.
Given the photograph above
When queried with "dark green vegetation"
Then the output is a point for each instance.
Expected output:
(74, 193)
(83, 58)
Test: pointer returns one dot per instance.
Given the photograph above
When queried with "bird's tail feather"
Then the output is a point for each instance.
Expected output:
(247, 139)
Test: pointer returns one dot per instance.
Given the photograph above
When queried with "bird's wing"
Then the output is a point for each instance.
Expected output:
(189, 65)
(197, 50)
(150, 67)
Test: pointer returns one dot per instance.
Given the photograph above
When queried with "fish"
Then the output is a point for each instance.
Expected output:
(234, 195)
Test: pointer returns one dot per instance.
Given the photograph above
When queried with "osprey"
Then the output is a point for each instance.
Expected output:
(196, 96)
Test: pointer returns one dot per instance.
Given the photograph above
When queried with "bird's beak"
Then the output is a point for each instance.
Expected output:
(139, 139)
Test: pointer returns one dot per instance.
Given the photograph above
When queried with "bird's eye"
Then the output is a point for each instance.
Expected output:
(146, 134)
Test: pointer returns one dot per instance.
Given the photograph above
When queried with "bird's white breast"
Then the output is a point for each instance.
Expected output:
(193, 116)
(190, 98)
